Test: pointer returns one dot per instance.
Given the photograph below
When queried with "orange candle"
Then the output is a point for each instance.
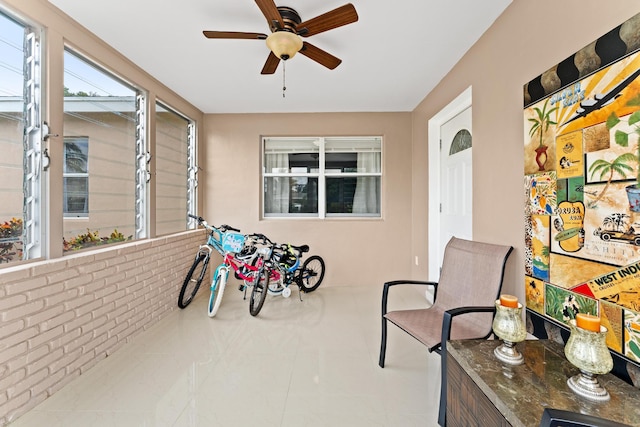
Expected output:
(509, 301)
(588, 322)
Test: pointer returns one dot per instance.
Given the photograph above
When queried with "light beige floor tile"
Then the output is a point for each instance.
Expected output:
(298, 363)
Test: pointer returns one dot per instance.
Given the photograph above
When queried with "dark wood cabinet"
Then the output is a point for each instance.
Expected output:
(482, 391)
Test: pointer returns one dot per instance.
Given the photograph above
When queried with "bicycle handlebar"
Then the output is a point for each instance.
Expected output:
(223, 227)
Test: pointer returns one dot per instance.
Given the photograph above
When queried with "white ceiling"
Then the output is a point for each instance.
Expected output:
(392, 57)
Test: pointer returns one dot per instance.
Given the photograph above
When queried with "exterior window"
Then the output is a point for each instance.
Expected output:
(321, 177)
(173, 137)
(21, 210)
(76, 177)
(105, 182)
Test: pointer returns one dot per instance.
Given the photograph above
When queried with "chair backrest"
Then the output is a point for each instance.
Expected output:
(471, 275)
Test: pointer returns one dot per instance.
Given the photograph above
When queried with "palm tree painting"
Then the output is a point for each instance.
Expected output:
(540, 125)
(618, 165)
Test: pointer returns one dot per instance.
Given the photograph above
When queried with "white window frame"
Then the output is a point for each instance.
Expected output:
(321, 174)
(68, 140)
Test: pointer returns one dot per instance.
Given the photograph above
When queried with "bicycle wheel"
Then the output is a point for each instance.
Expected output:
(259, 292)
(311, 274)
(217, 289)
(193, 280)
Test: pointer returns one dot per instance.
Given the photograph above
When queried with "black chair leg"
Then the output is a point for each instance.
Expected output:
(383, 343)
(442, 411)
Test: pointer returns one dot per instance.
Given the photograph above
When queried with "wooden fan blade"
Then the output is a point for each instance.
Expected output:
(270, 11)
(271, 64)
(233, 35)
(320, 56)
(327, 21)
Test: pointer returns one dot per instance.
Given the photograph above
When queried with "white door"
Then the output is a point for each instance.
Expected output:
(450, 178)
(455, 179)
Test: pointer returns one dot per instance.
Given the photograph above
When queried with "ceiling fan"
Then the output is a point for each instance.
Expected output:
(287, 28)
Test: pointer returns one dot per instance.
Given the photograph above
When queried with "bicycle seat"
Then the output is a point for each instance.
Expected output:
(302, 249)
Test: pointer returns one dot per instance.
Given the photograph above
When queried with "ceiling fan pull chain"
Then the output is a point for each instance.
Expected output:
(284, 87)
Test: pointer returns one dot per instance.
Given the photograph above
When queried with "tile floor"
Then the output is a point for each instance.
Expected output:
(310, 363)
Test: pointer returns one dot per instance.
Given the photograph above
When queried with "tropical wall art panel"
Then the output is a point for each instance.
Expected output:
(582, 188)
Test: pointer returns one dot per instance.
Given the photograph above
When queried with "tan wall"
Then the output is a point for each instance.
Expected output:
(526, 40)
(356, 251)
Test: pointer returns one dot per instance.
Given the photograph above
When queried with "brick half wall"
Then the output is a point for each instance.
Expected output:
(60, 317)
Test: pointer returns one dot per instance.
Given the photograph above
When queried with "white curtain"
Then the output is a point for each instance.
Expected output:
(367, 195)
(277, 195)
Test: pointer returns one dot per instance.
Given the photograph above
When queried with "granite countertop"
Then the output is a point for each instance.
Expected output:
(522, 392)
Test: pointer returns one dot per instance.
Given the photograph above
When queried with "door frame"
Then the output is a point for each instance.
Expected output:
(455, 107)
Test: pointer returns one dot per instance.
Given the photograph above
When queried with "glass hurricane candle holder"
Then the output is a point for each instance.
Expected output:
(587, 351)
(508, 326)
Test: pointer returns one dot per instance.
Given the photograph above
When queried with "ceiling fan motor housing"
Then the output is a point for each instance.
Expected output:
(290, 18)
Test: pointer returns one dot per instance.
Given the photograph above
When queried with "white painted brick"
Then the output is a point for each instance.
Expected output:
(42, 386)
(77, 322)
(89, 327)
(25, 285)
(138, 254)
(22, 310)
(81, 300)
(114, 297)
(77, 364)
(88, 308)
(59, 320)
(13, 378)
(42, 360)
(119, 314)
(114, 279)
(127, 283)
(103, 349)
(64, 359)
(44, 291)
(61, 297)
(105, 290)
(15, 274)
(11, 328)
(104, 310)
(112, 294)
(77, 282)
(62, 340)
(27, 383)
(13, 406)
(92, 287)
(79, 341)
(104, 329)
(62, 276)
(81, 259)
(18, 337)
(128, 333)
(12, 301)
(133, 271)
(43, 315)
(47, 267)
(101, 274)
(92, 362)
(13, 352)
(87, 269)
(119, 327)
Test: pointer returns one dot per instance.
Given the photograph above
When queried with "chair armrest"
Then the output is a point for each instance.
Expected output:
(448, 319)
(387, 285)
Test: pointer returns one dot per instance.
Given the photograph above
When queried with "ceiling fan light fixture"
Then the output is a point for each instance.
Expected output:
(284, 44)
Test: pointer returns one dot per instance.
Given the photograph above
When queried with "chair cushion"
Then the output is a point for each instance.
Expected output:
(425, 325)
